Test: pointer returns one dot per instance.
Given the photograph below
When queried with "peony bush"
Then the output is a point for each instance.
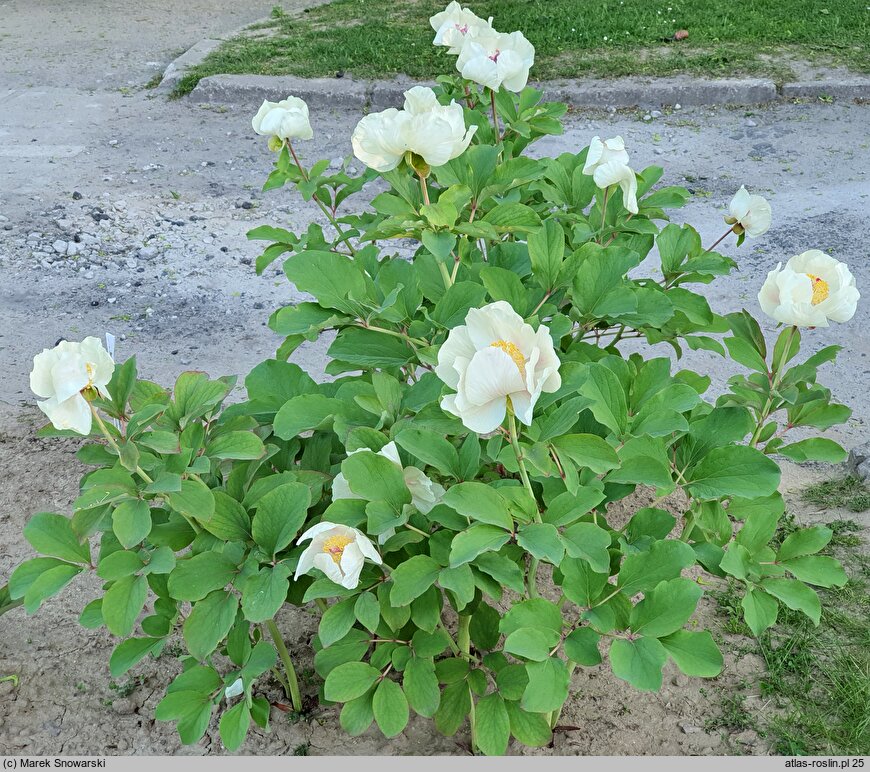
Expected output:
(442, 503)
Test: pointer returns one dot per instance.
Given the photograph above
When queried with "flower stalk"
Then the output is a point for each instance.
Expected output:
(289, 671)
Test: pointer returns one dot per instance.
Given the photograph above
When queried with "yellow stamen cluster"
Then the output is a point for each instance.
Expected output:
(334, 546)
(821, 290)
(514, 353)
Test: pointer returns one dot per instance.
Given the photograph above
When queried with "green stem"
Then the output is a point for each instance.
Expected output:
(463, 635)
(604, 213)
(108, 435)
(424, 188)
(719, 240)
(515, 444)
(294, 694)
(557, 714)
(776, 378)
(494, 115)
(532, 578)
(329, 216)
(688, 527)
(321, 604)
(453, 647)
(394, 333)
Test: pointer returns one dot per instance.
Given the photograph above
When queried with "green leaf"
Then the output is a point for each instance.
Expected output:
(639, 662)
(588, 450)
(505, 285)
(130, 653)
(695, 653)
(412, 578)
(209, 623)
(131, 522)
(303, 413)
(52, 534)
(122, 604)
(806, 541)
(230, 521)
(349, 681)
(542, 541)
(376, 478)
(817, 569)
(236, 445)
(607, 395)
(513, 217)
(735, 470)
(36, 580)
(480, 502)
(265, 592)
(796, 595)
(666, 608)
(234, 725)
(530, 729)
(390, 708)
(460, 582)
(421, 686)
(581, 646)
(532, 643)
(536, 612)
(580, 583)
(814, 449)
(430, 448)
(195, 577)
(370, 348)
(194, 500)
(357, 715)
(336, 281)
(492, 725)
(336, 621)
(280, 514)
(468, 544)
(454, 707)
(546, 252)
(758, 529)
(644, 570)
(547, 689)
(589, 542)
(759, 610)
(367, 610)
(484, 626)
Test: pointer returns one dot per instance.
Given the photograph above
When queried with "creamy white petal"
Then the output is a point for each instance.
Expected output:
(617, 173)
(458, 344)
(328, 566)
(366, 547)
(492, 374)
(73, 413)
(351, 565)
(318, 529)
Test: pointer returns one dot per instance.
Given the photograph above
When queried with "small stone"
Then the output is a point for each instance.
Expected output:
(124, 707)
(647, 117)
(656, 113)
(680, 680)
(247, 205)
(112, 300)
(147, 253)
(72, 249)
(688, 727)
(76, 196)
(747, 737)
(113, 143)
(245, 261)
(130, 263)
(751, 123)
(858, 463)
(678, 106)
(59, 246)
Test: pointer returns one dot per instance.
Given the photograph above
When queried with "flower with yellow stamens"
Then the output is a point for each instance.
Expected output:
(812, 289)
(339, 551)
(495, 358)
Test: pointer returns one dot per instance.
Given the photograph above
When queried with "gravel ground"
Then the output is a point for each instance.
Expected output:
(123, 212)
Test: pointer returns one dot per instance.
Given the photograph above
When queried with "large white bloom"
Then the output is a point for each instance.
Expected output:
(495, 357)
(287, 119)
(337, 550)
(495, 59)
(60, 375)
(604, 151)
(454, 24)
(425, 493)
(615, 172)
(424, 127)
(812, 289)
(750, 213)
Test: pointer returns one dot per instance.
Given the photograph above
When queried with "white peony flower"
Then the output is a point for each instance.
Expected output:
(425, 494)
(495, 357)
(615, 172)
(812, 289)
(337, 550)
(602, 152)
(287, 119)
(750, 213)
(60, 375)
(424, 127)
(495, 59)
(454, 24)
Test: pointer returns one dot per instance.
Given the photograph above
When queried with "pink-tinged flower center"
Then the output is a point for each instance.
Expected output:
(462, 28)
(334, 547)
(495, 56)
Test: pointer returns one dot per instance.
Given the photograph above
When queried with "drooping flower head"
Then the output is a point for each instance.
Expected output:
(495, 59)
(286, 120)
(603, 151)
(454, 24)
(434, 132)
(748, 213)
(339, 551)
(811, 290)
(496, 358)
(62, 373)
(607, 163)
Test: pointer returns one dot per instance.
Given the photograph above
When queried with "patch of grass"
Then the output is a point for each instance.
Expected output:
(819, 677)
(378, 38)
(849, 493)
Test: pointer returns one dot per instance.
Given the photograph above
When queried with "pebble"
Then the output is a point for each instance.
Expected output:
(124, 706)
(113, 143)
(59, 246)
(656, 114)
(750, 122)
(688, 727)
(146, 253)
(647, 117)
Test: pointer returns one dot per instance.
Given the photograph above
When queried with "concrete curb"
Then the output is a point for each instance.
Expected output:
(178, 67)
(250, 90)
